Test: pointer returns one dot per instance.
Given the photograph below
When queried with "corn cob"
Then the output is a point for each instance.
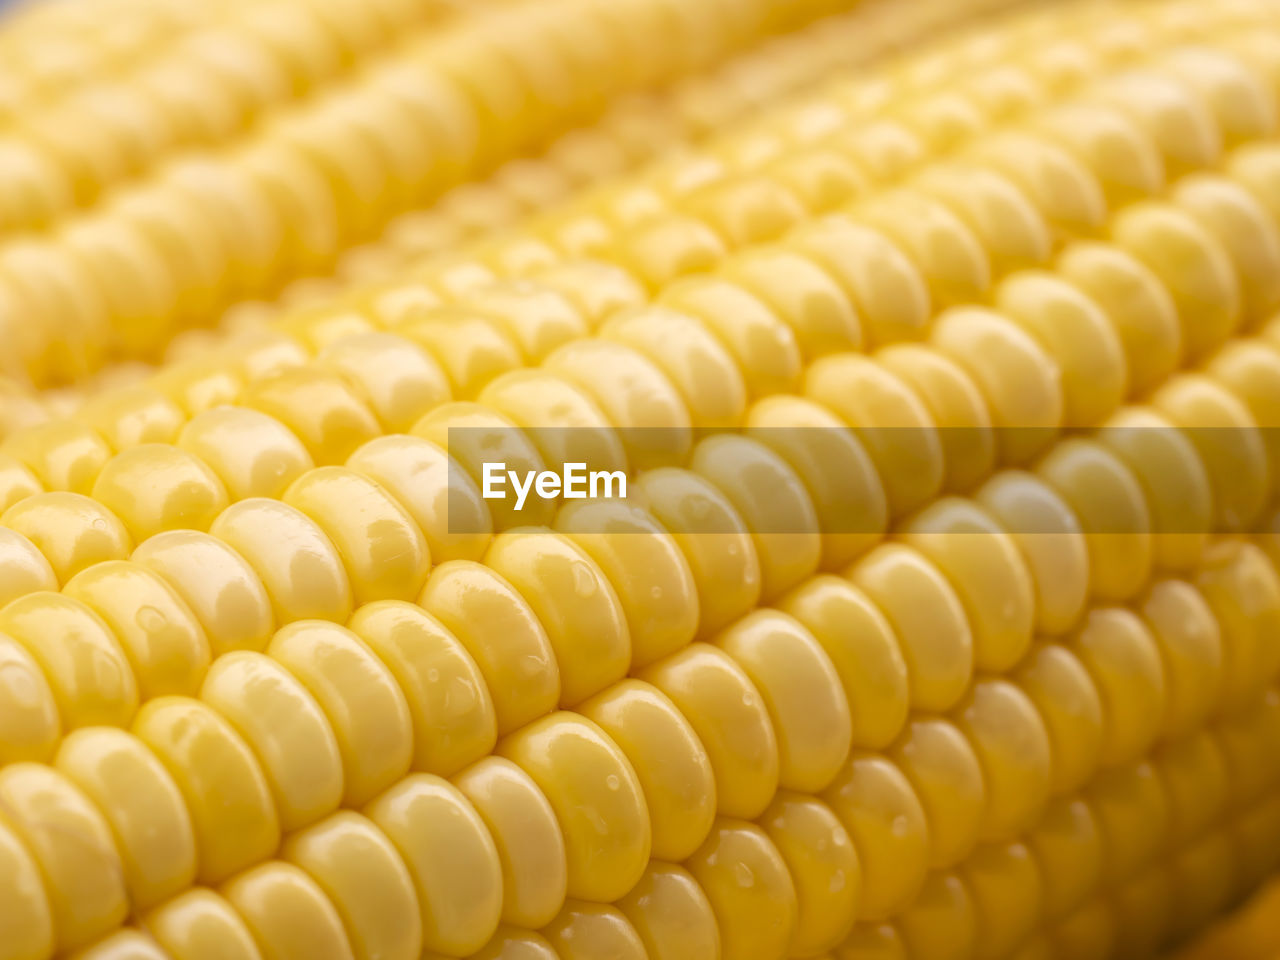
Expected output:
(858, 22)
(343, 322)
(332, 171)
(633, 129)
(50, 49)
(878, 218)
(92, 140)
(765, 677)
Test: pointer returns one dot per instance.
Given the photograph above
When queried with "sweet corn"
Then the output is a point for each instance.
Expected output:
(938, 620)
(464, 94)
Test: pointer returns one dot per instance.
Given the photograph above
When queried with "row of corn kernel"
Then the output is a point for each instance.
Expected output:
(627, 134)
(310, 290)
(329, 174)
(697, 173)
(51, 48)
(881, 220)
(937, 800)
(942, 181)
(200, 89)
(1129, 807)
(1006, 167)
(1075, 733)
(676, 671)
(638, 125)
(1019, 150)
(1140, 808)
(432, 389)
(812, 65)
(753, 138)
(366, 378)
(965, 912)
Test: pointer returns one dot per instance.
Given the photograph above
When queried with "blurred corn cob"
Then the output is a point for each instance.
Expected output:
(94, 117)
(452, 103)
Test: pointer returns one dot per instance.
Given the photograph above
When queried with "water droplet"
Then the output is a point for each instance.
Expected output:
(433, 675)
(900, 826)
(612, 782)
(656, 593)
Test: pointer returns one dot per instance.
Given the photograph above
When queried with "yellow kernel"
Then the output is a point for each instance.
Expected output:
(296, 563)
(1108, 503)
(454, 722)
(933, 632)
(527, 836)
(365, 880)
(79, 655)
(948, 778)
(502, 634)
(223, 591)
(729, 716)
(802, 692)
(360, 698)
(143, 806)
(1069, 848)
(156, 487)
(286, 730)
(254, 455)
(988, 574)
(584, 930)
(714, 540)
(596, 796)
(824, 869)
(451, 858)
(28, 925)
(72, 531)
(669, 761)
(287, 911)
(942, 922)
(751, 893)
(1005, 885)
